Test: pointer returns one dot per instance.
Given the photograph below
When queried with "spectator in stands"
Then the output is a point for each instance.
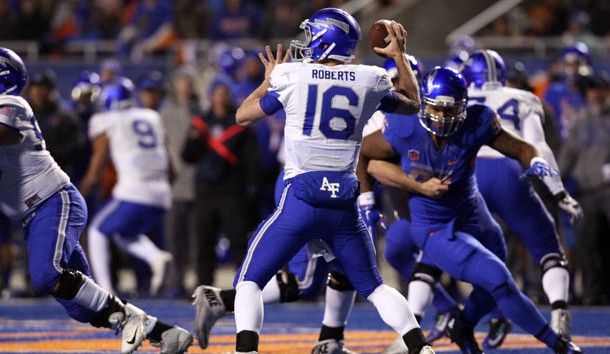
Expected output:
(149, 31)
(60, 127)
(8, 21)
(151, 89)
(181, 107)
(237, 19)
(192, 20)
(585, 156)
(228, 160)
(283, 18)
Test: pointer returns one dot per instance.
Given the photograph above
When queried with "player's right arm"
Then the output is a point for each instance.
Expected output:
(99, 158)
(9, 136)
(374, 146)
(392, 175)
(250, 111)
(407, 89)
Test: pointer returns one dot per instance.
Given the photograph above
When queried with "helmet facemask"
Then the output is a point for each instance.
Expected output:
(451, 120)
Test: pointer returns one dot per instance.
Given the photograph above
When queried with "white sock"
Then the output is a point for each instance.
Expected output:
(150, 324)
(393, 309)
(556, 284)
(271, 292)
(91, 296)
(99, 258)
(420, 297)
(338, 305)
(249, 311)
(141, 247)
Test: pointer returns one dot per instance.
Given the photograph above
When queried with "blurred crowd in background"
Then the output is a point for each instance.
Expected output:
(220, 196)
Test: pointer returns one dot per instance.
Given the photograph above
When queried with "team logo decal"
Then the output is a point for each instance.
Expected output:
(413, 155)
(333, 188)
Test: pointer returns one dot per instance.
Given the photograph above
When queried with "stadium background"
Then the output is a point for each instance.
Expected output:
(71, 36)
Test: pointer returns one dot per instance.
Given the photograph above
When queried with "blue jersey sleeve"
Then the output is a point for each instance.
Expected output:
(270, 103)
(397, 128)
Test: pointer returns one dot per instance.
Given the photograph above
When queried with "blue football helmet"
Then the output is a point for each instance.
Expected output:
(390, 67)
(87, 85)
(13, 75)
(576, 59)
(445, 90)
(484, 67)
(329, 34)
(117, 95)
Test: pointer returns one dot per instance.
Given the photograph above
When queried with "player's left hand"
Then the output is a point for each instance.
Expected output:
(370, 214)
(570, 206)
(540, 169)
(272, 60)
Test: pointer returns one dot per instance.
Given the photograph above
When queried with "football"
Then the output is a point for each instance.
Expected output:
(379, 36)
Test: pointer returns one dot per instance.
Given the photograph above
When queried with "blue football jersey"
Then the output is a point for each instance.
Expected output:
(453, 162)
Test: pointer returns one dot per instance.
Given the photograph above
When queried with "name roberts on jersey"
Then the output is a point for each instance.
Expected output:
(333, 75)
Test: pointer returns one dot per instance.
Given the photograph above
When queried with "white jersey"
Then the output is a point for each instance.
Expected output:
(374, 124)
(28, 173)
(520, 110)
(137, 149)
(326, 110)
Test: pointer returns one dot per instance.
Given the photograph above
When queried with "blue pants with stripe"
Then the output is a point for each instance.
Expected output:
(52, 235)
(515, 201)
(293, 224)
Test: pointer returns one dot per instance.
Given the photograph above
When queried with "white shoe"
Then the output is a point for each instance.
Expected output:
(561, 322)
(175, 340)
(426, 349)
(398, 346)
(330, 346)
(159, 269)
(132, 329)
(208, 309)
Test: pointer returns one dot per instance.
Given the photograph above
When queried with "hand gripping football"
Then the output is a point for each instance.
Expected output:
(379, 36)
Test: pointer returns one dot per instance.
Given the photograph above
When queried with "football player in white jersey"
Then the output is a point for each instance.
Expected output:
(516, 202)
(327, 103)
(134, 139)
(35, 191)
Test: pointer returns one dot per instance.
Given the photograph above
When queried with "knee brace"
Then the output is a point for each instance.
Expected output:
(426, 273)
(289, 286)
(70, 282)
(553, 260)
(339, 282)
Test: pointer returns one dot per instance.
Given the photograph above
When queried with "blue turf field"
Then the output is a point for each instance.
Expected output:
(40, 326)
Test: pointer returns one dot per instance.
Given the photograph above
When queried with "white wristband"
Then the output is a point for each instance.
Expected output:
(537, 159)
(366, 199)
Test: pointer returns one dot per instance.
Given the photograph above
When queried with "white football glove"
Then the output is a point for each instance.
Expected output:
(570, 206)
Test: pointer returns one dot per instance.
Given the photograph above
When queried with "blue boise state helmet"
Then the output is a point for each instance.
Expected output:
(444, 89)
(117, 94)
(329, 34)
(390, 67)
(13, 75)
(484, 67)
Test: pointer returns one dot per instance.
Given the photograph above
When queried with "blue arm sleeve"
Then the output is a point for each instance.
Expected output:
(270, 103)
(388, 103)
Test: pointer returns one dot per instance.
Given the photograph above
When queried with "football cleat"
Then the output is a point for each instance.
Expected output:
(398, 346)
(132, 329)
(464, 338)
(441, 320)
(564, 346)
(159, 269)
(208, 309)
(330, 346)
(499, 328)
(561, 323)
(175, 340)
